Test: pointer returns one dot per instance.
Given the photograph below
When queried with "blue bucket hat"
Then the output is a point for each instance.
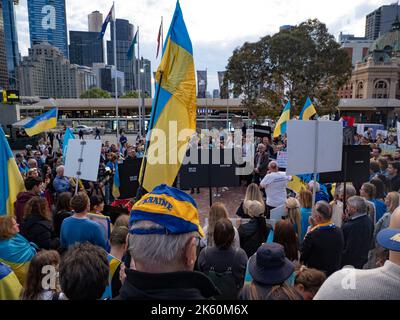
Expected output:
(389, 239)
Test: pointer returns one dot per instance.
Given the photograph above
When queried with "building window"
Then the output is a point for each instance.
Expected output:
(360, 89)
(381, 90)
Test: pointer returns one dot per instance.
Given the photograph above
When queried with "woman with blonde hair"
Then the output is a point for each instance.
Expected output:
(292, 209)
(252, 193)
(217, 212)
(392, 201)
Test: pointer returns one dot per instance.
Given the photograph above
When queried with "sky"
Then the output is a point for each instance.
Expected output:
(216, 27)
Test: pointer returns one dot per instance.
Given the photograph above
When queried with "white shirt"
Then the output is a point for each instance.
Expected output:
(275, 185)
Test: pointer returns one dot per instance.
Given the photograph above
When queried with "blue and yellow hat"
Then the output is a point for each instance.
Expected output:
(169, 207)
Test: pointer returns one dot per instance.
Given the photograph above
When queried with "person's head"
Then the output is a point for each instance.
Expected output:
(284, 292)
(305, 199)
(131, 152)
(397, 155)
(292, 209)
(37, 155)
(253, 193)
(261, 148)
(64, 202)
(118, 238)
(394, 168)
(350, 191)
(383, 163)
(254, 208)
(224, 234)
(33, 173)
(308, 281)
(217, 211)
(18, 158)
(112, 157)
(265, 141)
(322, 212)
(80, 203)
(37, 206)
(44, 264)
(311, 186)
(32, 163)
(122, 221)
(392, 201)
(285, 235)
(164, 231)
(84, 272)
(60, 171)
(96, 204)
(356, 205)
(379, 188)
(8, 227)
(33, 185)
(376, 152)
(273, 166)
(374, 167)
(368, 191)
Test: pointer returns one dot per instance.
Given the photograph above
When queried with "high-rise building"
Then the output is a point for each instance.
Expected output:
(48, 23)
(47, 73)
(95, 21)
(107, 76)
(124, 32)
(380, 21)
(85, 48)
(3, 58)
(215, 94)
(11, 41)
(356, 47)
(146, 80)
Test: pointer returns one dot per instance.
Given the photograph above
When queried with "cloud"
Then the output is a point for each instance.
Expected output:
(216, 27)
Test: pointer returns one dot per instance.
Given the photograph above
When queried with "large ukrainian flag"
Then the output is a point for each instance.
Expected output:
(175, 102)
(308, 110)
(10, 288)
(40, 124)
(11, 181)
(280, 128)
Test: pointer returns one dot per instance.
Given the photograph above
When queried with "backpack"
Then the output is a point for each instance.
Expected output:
(224, 281)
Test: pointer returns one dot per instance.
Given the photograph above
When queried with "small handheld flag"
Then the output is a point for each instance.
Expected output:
(308, 111)
(109, 17)
(68, 135)
(42, 123)
(132, 46)
(280, 128)
(159, 38)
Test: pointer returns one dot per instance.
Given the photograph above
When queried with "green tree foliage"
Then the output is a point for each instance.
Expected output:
(134, 95)
(95, 93)
(290, 65)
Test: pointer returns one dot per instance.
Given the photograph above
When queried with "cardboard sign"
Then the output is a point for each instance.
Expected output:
(282, 159)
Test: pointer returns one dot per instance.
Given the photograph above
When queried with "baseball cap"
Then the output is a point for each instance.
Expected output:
(173, 209)
(389, 239)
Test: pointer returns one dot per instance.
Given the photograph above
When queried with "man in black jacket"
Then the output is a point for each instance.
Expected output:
(261, 161)
(358, 233)
(163, 242)
(394, 174)
(323, 244)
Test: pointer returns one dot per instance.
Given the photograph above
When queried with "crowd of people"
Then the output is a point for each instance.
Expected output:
(61, 245)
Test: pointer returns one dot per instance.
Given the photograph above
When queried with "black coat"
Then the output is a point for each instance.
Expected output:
(395, 183)
(166, 286)
(322, 250)
(358, 239)
(40, 231)
(58, 219)
(253, 234)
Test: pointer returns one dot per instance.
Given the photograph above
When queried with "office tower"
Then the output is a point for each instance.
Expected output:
(85, 48)
(95, 21)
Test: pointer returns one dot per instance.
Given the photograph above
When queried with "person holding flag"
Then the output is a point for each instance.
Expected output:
(280, 128)
(308, 110)
(174, 103)
(42, 123)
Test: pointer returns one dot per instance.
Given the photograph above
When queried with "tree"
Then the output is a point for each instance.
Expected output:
(290, 65)
(95, 93)
(134, 95)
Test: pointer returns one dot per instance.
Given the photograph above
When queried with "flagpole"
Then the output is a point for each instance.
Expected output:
(162, 35)
(139, 84)
(115, 76)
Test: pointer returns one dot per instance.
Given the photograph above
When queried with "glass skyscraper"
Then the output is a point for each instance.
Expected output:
(10, 41)
(85, 48)
(48, 23)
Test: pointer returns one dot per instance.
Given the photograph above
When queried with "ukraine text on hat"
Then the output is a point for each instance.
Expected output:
(159, 201)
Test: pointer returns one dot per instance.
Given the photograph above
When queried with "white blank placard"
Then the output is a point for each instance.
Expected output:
(91, 158)
(301, 146)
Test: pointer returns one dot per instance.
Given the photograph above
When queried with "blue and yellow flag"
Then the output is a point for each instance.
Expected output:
(308, 110)
(174, 104)
(11, 181)
(68, 135)
(10, 288)
(40, 124)
(280, 128)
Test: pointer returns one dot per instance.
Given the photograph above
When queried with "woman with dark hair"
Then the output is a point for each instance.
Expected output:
(385, 181)
(34, 280)
(284, 292)
(285, 235)
(37, 225)
(225, 265)
(63, 211)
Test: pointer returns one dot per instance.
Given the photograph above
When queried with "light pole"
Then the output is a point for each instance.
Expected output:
(142, 95)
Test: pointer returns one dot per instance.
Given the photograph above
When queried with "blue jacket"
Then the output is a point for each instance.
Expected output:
(61, 184)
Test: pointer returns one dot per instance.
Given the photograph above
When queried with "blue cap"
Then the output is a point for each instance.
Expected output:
(389, 239)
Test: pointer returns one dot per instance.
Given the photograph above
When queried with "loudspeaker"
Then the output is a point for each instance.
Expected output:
(129, 178)
(355, 164)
